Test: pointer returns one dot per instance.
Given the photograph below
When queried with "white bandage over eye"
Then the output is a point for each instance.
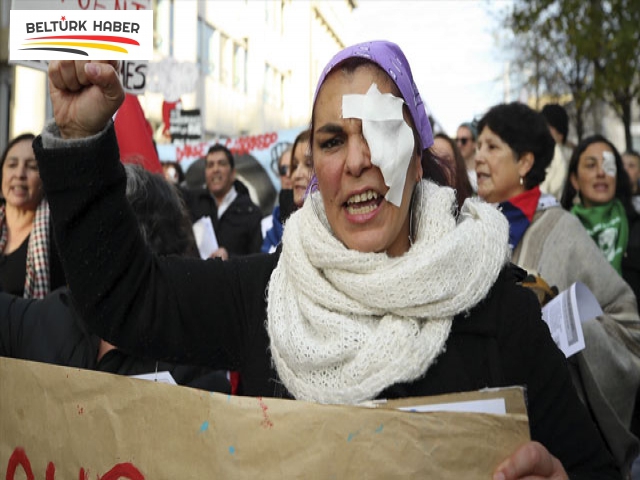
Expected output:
(389, 137)
(609, 164)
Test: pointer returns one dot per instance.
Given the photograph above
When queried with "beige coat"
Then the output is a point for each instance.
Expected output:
(557, 247)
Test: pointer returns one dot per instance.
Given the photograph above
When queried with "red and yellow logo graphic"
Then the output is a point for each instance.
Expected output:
(105, 35)
(65, 43)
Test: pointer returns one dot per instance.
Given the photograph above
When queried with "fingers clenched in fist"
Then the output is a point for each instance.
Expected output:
(84, 94)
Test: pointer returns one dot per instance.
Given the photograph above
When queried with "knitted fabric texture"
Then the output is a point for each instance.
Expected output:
(344, 325)
(36, 283)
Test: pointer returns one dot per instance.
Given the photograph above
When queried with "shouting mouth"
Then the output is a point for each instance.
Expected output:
(363, 203)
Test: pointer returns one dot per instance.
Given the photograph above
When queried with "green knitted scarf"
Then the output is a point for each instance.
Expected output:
(608, 226)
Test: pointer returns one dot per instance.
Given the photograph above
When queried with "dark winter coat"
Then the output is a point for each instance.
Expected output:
(50, 330)
(239, 229)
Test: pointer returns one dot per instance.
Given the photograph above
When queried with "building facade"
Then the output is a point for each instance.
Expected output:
(257, 63)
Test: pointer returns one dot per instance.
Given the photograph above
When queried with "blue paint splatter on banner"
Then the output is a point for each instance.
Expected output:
(379, 429)
(232, 449)
(204, 427)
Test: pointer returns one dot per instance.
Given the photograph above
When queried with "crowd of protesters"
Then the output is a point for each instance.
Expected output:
(384, 275)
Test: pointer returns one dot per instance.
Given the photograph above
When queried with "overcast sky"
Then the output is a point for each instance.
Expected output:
(451, 47)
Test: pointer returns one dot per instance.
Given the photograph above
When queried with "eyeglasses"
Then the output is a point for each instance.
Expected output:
(463, 140)
(283, 170)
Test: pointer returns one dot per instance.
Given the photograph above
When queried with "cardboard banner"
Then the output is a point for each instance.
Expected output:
(58, 422)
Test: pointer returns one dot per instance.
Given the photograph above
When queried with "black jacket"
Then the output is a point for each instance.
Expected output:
(239, 229)
(51, 331)
(213, 312)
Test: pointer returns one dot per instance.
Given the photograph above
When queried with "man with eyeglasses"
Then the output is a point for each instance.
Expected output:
(466, 141)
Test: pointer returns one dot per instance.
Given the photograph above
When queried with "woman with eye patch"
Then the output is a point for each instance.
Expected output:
(514, 150)
(29, 263)
(598, 192)
(379, 289)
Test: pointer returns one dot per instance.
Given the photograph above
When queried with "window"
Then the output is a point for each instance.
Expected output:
(226, 59)
(208, 38)
(273, 14)
(273, 86)
(163, 26)
(240, 67)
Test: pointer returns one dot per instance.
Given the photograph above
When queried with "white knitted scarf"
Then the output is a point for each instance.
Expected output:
(344, 325)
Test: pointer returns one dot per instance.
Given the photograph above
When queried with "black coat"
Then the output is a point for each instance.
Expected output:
(213, 312)
(239, 229)
(51, 331)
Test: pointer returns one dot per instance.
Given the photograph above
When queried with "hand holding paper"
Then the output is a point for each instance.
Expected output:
(205, 237)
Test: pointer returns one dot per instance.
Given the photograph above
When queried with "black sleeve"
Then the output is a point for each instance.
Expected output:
(557, 417)
(46, 330)
(287, 205)
(177, 309)
(256, 237)
(56, 271)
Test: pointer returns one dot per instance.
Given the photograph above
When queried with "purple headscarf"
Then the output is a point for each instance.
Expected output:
(390, 58)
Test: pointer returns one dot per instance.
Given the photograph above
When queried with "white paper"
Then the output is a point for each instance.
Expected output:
(205, 237)
(566, 312)
(160, 377)
(494, 405)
